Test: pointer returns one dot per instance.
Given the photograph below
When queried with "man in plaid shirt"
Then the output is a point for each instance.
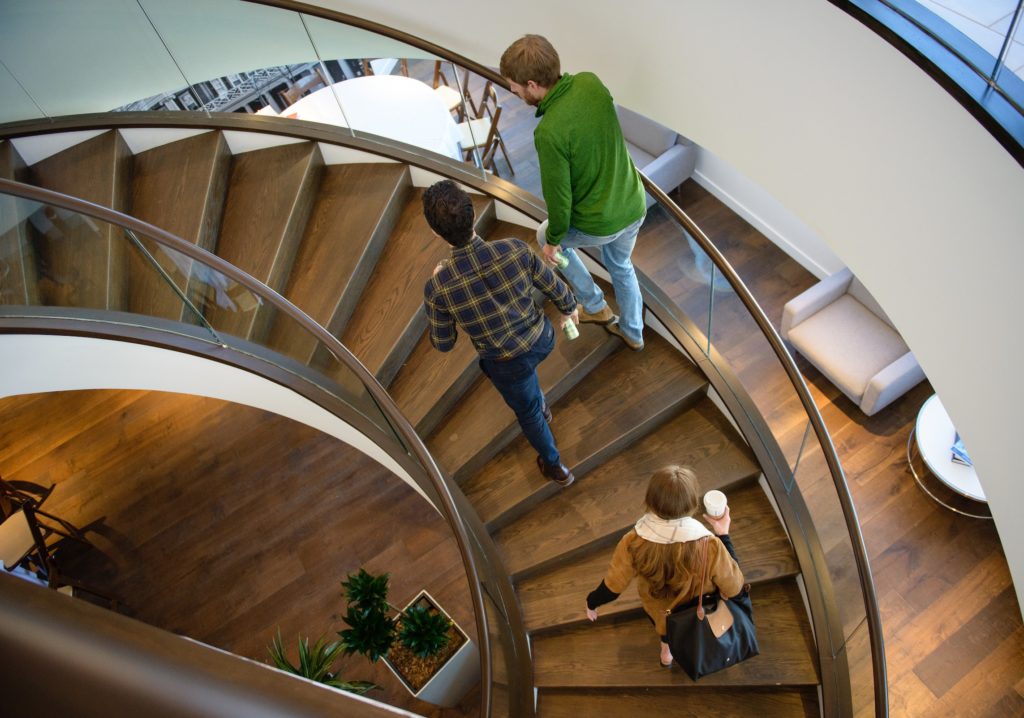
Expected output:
(486, 289)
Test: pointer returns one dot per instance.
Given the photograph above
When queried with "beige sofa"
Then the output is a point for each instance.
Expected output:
(840, 328)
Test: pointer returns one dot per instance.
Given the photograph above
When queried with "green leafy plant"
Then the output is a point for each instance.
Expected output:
(423, 632)
(372, 631)
(315, 663)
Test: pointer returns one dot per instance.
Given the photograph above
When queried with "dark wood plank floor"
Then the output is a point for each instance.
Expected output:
(952, 626)
(226, 523)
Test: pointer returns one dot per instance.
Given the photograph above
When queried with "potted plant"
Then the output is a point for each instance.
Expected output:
(315, 664)
(429, 653)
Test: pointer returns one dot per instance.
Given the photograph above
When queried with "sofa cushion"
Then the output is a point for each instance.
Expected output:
(848, 343)
(644, 132)
(859, 292)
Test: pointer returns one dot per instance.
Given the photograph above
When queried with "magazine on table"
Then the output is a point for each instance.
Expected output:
(959, 453)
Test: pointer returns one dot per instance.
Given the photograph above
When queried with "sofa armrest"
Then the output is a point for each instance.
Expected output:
(813, 300)
(671, 168)
(891, 383)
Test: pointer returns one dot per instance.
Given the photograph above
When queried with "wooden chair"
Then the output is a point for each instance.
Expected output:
(453, 99)
(482, 133)
(13, 498)
(23, 545)
(303, 86)
(403, 66)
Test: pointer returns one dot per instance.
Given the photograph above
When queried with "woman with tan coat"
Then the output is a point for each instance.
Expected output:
(661, 551)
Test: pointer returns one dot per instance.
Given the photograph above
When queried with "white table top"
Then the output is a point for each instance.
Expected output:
(393, 106)
(934, 434)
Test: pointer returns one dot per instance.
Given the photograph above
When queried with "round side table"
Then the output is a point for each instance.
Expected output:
(932, 436)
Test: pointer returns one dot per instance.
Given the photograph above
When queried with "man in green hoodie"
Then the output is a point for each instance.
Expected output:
(594, 194)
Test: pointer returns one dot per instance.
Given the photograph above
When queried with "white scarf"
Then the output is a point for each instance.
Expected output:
(654, 528)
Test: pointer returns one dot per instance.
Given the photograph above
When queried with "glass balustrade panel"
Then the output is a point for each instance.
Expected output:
(52, 257)
(819, 493)
(80, 57)
(862, 679)
(684, 278)
(746, 351)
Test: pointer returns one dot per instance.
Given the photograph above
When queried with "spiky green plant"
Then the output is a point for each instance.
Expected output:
(315, 663)
(367, 591)
(370, 634)
(424, 632)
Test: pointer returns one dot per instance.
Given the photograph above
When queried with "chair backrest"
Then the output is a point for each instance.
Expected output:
(17, 539)
(304, 84)
(859, 292)
(645, 133)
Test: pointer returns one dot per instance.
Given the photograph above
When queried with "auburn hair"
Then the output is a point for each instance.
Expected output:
(672, 493)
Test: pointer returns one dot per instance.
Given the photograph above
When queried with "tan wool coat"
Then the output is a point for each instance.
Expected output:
(724, 574)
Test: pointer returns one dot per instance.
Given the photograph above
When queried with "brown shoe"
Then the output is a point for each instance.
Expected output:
(603, 317)
(615, 329)
(559, 473)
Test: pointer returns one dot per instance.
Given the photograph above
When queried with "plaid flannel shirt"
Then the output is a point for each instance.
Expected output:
(486, 288)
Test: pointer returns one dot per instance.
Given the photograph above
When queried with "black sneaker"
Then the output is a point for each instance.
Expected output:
(559, 473)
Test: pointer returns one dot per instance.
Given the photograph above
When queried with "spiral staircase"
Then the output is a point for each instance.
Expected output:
(346, 243)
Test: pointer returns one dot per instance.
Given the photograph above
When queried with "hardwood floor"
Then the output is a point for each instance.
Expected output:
(226, 523)
(952, 626)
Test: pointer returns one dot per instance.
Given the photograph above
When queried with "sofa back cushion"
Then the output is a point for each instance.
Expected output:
(645, 133)
(859, 292)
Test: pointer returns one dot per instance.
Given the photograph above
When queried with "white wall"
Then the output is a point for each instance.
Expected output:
(902, 183)
(34, 363)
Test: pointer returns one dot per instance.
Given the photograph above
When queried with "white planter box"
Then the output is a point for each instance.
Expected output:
(456, 677)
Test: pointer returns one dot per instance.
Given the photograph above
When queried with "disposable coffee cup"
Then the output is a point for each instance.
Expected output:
(714, 503)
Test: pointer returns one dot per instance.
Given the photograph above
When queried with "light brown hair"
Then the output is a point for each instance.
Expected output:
(672, 493)
(531, 57)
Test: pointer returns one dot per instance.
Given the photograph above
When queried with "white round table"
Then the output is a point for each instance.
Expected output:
(933, 436)
(393, 106)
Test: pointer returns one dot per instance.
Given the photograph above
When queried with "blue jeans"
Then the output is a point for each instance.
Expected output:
(615, 252)
(516, 381)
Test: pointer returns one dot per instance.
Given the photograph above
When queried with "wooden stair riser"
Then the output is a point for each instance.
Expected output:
(622, 652)
(697, 702)
(270, 194)
(354, 215)
(581, 466)
(418, 323)
(554, 389)
(18, 273)
(179, 187)
(84, 264)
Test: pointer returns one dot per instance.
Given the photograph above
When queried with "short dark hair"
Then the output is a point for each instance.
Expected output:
(449, 212)
(531, 57)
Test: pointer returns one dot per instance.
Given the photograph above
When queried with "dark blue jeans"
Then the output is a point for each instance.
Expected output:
(516, 381)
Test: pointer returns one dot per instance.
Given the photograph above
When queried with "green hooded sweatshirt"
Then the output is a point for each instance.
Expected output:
(587, 176)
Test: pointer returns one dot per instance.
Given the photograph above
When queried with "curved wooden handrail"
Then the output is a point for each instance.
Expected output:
(384, 402)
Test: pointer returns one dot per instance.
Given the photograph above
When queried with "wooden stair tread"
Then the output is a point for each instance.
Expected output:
(610, 498)
(591, 422)
(552, 598)
(624, 653)
(348, 226)
(482, 423)
(791, 702)
(80, 266)
(430, 382)
(178, 187)
(393, 298)
(270, 193)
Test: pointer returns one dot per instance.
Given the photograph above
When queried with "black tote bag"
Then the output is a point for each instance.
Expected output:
(707, 639)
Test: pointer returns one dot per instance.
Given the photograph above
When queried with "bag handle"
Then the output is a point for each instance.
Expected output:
(703, 574)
